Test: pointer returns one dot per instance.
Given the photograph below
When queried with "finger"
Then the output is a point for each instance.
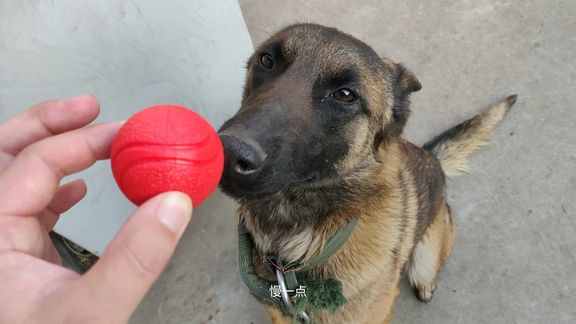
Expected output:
(5, 159)
(136, 257)
(22, 234)
(26, 235)
(32, 179)
(46, 119)
(67, 196)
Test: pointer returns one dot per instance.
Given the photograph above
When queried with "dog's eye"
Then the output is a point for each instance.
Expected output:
(267, 61)
(345, 95)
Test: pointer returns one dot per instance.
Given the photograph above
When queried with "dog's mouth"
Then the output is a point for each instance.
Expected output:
(262, 191)
(246, 194)
(307, 180)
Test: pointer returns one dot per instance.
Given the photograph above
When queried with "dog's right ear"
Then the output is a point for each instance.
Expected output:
(403, 84)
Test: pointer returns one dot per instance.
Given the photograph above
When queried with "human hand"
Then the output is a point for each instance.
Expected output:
(37, 149)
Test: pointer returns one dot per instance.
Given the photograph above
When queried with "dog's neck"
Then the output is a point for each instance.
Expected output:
(282, 226)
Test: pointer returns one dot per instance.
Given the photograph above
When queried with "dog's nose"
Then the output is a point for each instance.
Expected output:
(243, 160)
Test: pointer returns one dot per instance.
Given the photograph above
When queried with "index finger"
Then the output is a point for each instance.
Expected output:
(28, 185)
(46, 119)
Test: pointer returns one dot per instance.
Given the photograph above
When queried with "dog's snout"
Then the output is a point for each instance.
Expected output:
(243, 160)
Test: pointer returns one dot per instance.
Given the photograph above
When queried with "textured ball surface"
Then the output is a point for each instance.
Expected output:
(167, 148)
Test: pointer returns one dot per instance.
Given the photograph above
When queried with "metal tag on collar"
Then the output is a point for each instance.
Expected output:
(302, 317)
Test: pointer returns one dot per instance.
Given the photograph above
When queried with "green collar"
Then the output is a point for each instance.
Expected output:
(308, 294)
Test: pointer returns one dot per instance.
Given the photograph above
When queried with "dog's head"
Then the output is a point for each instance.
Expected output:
(317, 104)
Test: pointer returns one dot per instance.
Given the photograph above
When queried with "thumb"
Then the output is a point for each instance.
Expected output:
(138, 254)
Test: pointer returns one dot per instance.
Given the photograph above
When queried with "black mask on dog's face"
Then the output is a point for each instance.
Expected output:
(315, 101)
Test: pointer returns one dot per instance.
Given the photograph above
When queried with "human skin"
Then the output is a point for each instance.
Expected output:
(38, 148)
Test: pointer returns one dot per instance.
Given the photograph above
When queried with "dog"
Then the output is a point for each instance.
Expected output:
(317, 144)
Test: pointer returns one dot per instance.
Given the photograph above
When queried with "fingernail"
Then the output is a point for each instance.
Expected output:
(175, 211)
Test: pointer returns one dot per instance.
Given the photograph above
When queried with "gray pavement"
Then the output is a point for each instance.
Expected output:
(515, 255)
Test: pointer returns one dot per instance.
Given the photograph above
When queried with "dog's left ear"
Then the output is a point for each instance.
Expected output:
(403, 84)
(406, 81)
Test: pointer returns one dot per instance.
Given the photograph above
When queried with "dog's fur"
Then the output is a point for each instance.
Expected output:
(326, 161)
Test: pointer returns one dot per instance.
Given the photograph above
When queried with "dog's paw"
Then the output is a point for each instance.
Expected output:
(425, 293)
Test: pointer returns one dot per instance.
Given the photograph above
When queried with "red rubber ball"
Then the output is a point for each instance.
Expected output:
(167, 148)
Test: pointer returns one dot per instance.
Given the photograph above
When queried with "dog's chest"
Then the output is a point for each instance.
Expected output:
(285, 246)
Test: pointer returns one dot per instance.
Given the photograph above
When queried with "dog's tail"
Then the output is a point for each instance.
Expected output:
(453, 146)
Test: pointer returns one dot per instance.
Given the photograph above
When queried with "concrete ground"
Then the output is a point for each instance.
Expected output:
(515, 254)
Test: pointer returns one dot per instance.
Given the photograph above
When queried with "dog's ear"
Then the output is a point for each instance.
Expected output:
(403, 84)
(406, 81)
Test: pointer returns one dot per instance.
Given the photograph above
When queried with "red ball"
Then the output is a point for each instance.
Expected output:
(167, 148)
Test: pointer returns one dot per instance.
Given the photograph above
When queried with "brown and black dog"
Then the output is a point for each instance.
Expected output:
(317, 142)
